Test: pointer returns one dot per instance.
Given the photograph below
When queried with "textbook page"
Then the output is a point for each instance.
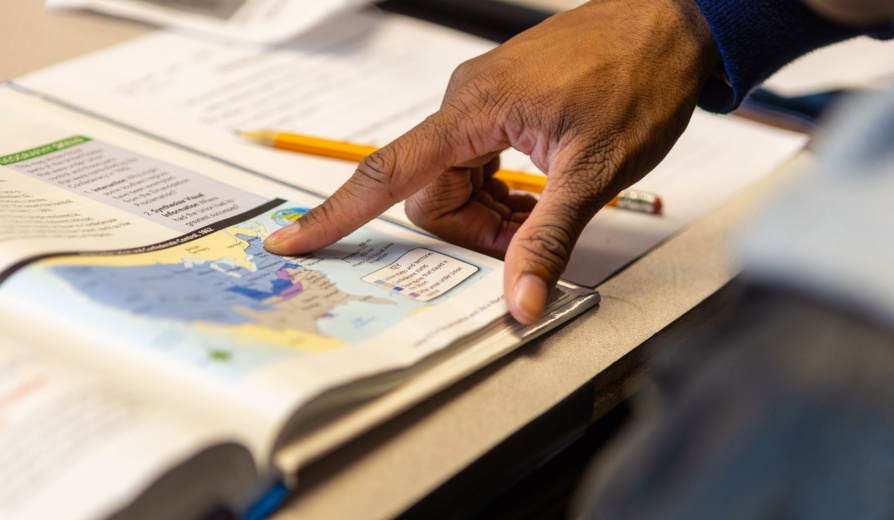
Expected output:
(263, 21)
(74, 446)
(200, 298)
(368, 80)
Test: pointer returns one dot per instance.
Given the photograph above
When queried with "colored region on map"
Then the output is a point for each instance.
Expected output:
(220, 301)
(277, 293)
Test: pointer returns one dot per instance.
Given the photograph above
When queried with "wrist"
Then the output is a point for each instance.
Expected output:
(708, 63)
(675, 32)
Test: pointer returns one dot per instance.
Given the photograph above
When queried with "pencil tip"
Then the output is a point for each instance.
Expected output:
(259, 136)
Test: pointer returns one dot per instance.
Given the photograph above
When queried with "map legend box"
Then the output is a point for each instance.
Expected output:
(422, 274)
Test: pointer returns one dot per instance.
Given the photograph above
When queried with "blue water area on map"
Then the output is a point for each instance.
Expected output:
(282, 285)
(206, 291)
(278, 287)
(255, 249)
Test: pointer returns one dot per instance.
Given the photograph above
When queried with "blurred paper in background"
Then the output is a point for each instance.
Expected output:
(261, 21)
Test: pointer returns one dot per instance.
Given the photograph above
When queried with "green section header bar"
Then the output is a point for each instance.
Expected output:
(75, 140)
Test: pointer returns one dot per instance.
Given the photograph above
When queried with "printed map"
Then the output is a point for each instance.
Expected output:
(222, 299)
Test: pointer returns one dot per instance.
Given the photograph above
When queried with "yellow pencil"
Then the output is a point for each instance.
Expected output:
(633, 200)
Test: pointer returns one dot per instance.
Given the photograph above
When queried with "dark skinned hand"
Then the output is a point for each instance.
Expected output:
(596, 96)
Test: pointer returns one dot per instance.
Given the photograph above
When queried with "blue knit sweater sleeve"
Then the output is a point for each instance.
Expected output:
(757, 37)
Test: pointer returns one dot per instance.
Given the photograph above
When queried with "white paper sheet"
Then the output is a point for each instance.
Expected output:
(263, 21)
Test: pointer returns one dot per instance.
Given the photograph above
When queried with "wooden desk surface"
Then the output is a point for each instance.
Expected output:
(422, 449)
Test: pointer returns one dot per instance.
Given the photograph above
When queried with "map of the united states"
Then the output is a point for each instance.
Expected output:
(249, 291)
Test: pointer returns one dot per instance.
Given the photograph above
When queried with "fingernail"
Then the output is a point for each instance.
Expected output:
(279, 239)
(530, 297)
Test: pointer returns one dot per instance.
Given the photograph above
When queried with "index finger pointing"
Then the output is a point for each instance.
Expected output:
(381, 180)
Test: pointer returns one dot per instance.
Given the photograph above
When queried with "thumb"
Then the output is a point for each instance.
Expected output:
(540, 250)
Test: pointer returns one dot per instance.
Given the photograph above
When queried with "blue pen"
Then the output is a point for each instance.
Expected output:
(268, 503)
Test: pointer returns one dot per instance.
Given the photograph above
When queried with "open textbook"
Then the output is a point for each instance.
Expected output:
(151, 345)
(132, 264)
(368, 79)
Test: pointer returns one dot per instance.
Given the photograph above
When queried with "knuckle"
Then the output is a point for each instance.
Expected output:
(524, 113)
(471, 98)
(374, 174)
(592, 176)
(550, 247)
(423, 207)
(461, 74)
(327, 215)
(482, 92)
(375, 168)
(440, 198)
(416, 211)
(320, 215)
